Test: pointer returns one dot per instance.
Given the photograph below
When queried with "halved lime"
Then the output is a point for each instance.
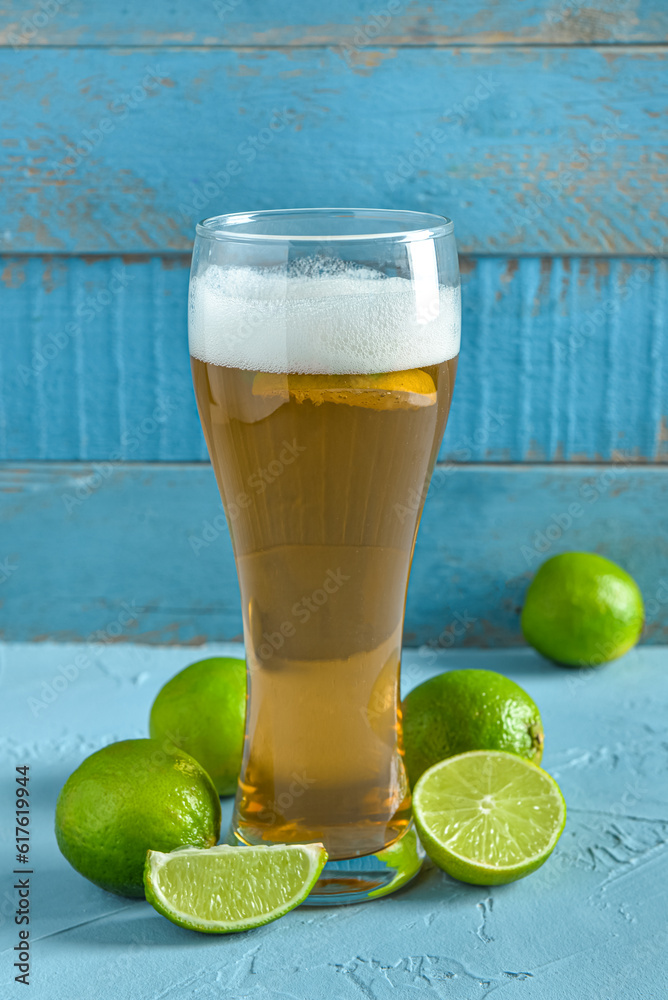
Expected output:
(488, 817)
(226, 889)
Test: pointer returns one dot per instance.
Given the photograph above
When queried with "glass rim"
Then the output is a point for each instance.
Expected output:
(427, 225)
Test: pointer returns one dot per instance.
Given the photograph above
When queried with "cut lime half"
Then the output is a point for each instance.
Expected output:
(488, 817)
(226, 889)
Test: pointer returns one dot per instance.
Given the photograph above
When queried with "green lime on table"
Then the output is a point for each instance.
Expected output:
(465, 710)
(127, 798)
(582, 610)
(228, 889)
(202, 710)
(488, 817)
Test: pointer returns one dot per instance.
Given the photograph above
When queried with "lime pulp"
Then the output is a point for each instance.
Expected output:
(226, 889)
(488, 817)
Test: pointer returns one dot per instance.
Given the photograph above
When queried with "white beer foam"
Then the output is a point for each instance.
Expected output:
(345, 321)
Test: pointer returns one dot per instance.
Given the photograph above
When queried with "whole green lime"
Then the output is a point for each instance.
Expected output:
(464, 710)
(126, 799)
(582, 610)
(202, 710)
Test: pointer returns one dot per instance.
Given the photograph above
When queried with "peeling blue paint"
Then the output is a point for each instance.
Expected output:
(534, 150)
(81, 540)
(562, 360)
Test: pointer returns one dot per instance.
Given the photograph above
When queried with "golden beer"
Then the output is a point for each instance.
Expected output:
(320, 472)
(324, 348)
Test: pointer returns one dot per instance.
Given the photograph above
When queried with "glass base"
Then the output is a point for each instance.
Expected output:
(355, 880)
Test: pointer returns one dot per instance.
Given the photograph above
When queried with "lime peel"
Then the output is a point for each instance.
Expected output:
(224, 889)
(126, 798)
(483, 804)
(201, 710)
(582, 610)
(462, 710)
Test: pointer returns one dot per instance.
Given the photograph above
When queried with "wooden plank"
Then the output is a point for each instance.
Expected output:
(95, 360)
(551, 151)
(355, 23)
(554, 364)
(80, 542)
(562, 360)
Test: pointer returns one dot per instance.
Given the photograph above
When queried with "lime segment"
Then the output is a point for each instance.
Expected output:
(488, 817)
(226, 889)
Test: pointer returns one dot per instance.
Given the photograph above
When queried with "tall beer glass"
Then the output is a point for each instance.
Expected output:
(324, 345)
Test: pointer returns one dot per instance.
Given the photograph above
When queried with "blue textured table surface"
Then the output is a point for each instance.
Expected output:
(590, 924)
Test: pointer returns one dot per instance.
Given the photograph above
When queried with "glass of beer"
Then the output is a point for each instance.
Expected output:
(324, 346)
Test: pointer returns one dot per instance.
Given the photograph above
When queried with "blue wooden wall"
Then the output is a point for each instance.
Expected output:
(538, 126)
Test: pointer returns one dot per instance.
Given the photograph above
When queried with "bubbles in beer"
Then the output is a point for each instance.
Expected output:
(319, 317)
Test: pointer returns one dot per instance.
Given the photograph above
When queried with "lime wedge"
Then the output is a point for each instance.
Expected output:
(488, 817)
(225, 889)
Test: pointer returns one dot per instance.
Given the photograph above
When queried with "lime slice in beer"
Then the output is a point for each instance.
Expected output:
(407, 390)
(225, 889)
(488, 817)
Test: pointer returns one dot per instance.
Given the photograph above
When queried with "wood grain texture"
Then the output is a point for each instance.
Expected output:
(562, 360)
(345, 22)
(551, 151)
(96, 360)
(81, 544)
